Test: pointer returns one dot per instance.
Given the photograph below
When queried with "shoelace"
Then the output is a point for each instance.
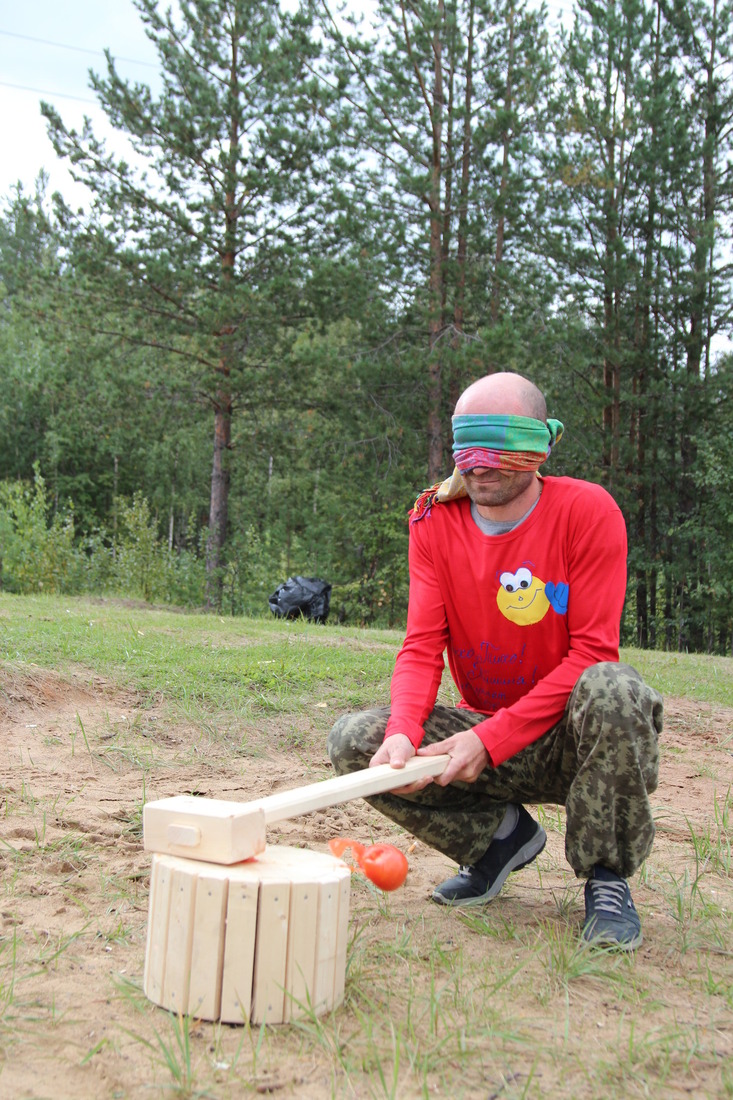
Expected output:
(608, 896)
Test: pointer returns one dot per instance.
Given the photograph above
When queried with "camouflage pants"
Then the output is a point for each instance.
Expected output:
(600, 761)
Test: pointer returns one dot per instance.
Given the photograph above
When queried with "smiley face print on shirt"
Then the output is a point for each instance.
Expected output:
(525, 599)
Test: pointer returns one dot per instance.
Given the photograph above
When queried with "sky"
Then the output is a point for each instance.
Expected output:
(47, 48)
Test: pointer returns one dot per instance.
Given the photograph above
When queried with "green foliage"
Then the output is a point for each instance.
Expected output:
(250, 573)
(377, 543)
(35, 556)
(339, 229)
(198, 232)
(40, 552)
(139, 561)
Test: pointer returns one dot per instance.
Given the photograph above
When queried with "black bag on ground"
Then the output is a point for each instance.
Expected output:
(307, 596)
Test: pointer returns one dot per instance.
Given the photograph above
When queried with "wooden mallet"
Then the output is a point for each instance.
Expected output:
(219, 831)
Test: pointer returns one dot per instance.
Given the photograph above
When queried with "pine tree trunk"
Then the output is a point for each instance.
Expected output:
(459, 306)
(504, 182)
(219, 506)
(435, 386)
(223, 403)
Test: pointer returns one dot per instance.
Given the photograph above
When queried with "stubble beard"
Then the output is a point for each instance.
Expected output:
(497, 488)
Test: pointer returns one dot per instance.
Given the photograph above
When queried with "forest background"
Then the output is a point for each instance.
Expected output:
(239, 360)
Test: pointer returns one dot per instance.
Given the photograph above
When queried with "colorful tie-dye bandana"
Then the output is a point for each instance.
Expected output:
(503, 442)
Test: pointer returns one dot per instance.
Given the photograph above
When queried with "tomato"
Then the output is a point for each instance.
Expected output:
(383, 864)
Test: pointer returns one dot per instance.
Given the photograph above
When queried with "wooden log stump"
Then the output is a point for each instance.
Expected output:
(264, 940)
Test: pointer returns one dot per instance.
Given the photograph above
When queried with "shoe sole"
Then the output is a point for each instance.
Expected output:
(605, 941)
(526, 854)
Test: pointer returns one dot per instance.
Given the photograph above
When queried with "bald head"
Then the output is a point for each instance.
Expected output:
(504, 393)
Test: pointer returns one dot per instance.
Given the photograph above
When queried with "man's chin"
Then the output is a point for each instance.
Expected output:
(489, 500)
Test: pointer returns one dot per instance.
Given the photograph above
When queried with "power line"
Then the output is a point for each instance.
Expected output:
(76, 49)
(45, 91)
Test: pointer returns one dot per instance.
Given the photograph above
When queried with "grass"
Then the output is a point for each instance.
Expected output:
(208, 664)
(499, 1002)
(203, 664)
(692, 675)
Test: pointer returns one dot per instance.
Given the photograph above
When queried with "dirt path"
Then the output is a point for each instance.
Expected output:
(78, 759)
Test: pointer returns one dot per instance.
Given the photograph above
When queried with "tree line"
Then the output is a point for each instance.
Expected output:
(248, 345)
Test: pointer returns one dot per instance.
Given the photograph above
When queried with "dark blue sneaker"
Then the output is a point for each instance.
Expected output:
(479, 883)
(611, 919)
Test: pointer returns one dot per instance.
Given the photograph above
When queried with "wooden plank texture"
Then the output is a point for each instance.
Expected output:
(271, 953)
(342, 788)
(157, 937)
(239, 951)
(326, 947)
(301, 953)
(180, 939)
(207, 948)
(261, 941)
(342, 940)
(211, 829)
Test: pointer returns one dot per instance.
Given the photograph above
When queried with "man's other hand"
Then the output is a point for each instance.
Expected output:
(468, 757)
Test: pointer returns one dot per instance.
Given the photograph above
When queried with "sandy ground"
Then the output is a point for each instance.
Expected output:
(77, 761)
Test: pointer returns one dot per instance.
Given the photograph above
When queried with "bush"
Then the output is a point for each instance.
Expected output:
(142, 564)
(248, 574)
(36, 556)
(41, 556)
(138, 567)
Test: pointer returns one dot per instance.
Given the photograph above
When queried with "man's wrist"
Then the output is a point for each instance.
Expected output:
(482, 731)
(411, 730)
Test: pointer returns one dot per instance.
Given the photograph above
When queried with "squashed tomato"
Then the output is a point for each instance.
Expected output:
(339, 844)
(383, 864)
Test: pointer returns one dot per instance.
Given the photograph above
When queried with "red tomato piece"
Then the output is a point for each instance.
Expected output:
(339, 844)
(385, 866)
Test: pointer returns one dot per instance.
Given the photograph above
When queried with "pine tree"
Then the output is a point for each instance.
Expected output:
(439, 99)
(197, 230)
(700, 202)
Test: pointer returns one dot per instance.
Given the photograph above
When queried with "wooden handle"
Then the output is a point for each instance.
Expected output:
(361, 784)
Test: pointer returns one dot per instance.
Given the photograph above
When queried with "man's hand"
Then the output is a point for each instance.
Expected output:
(468, 757)
(396, 750)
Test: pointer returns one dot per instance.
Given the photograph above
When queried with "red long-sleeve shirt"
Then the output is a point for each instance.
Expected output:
(521, 615)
